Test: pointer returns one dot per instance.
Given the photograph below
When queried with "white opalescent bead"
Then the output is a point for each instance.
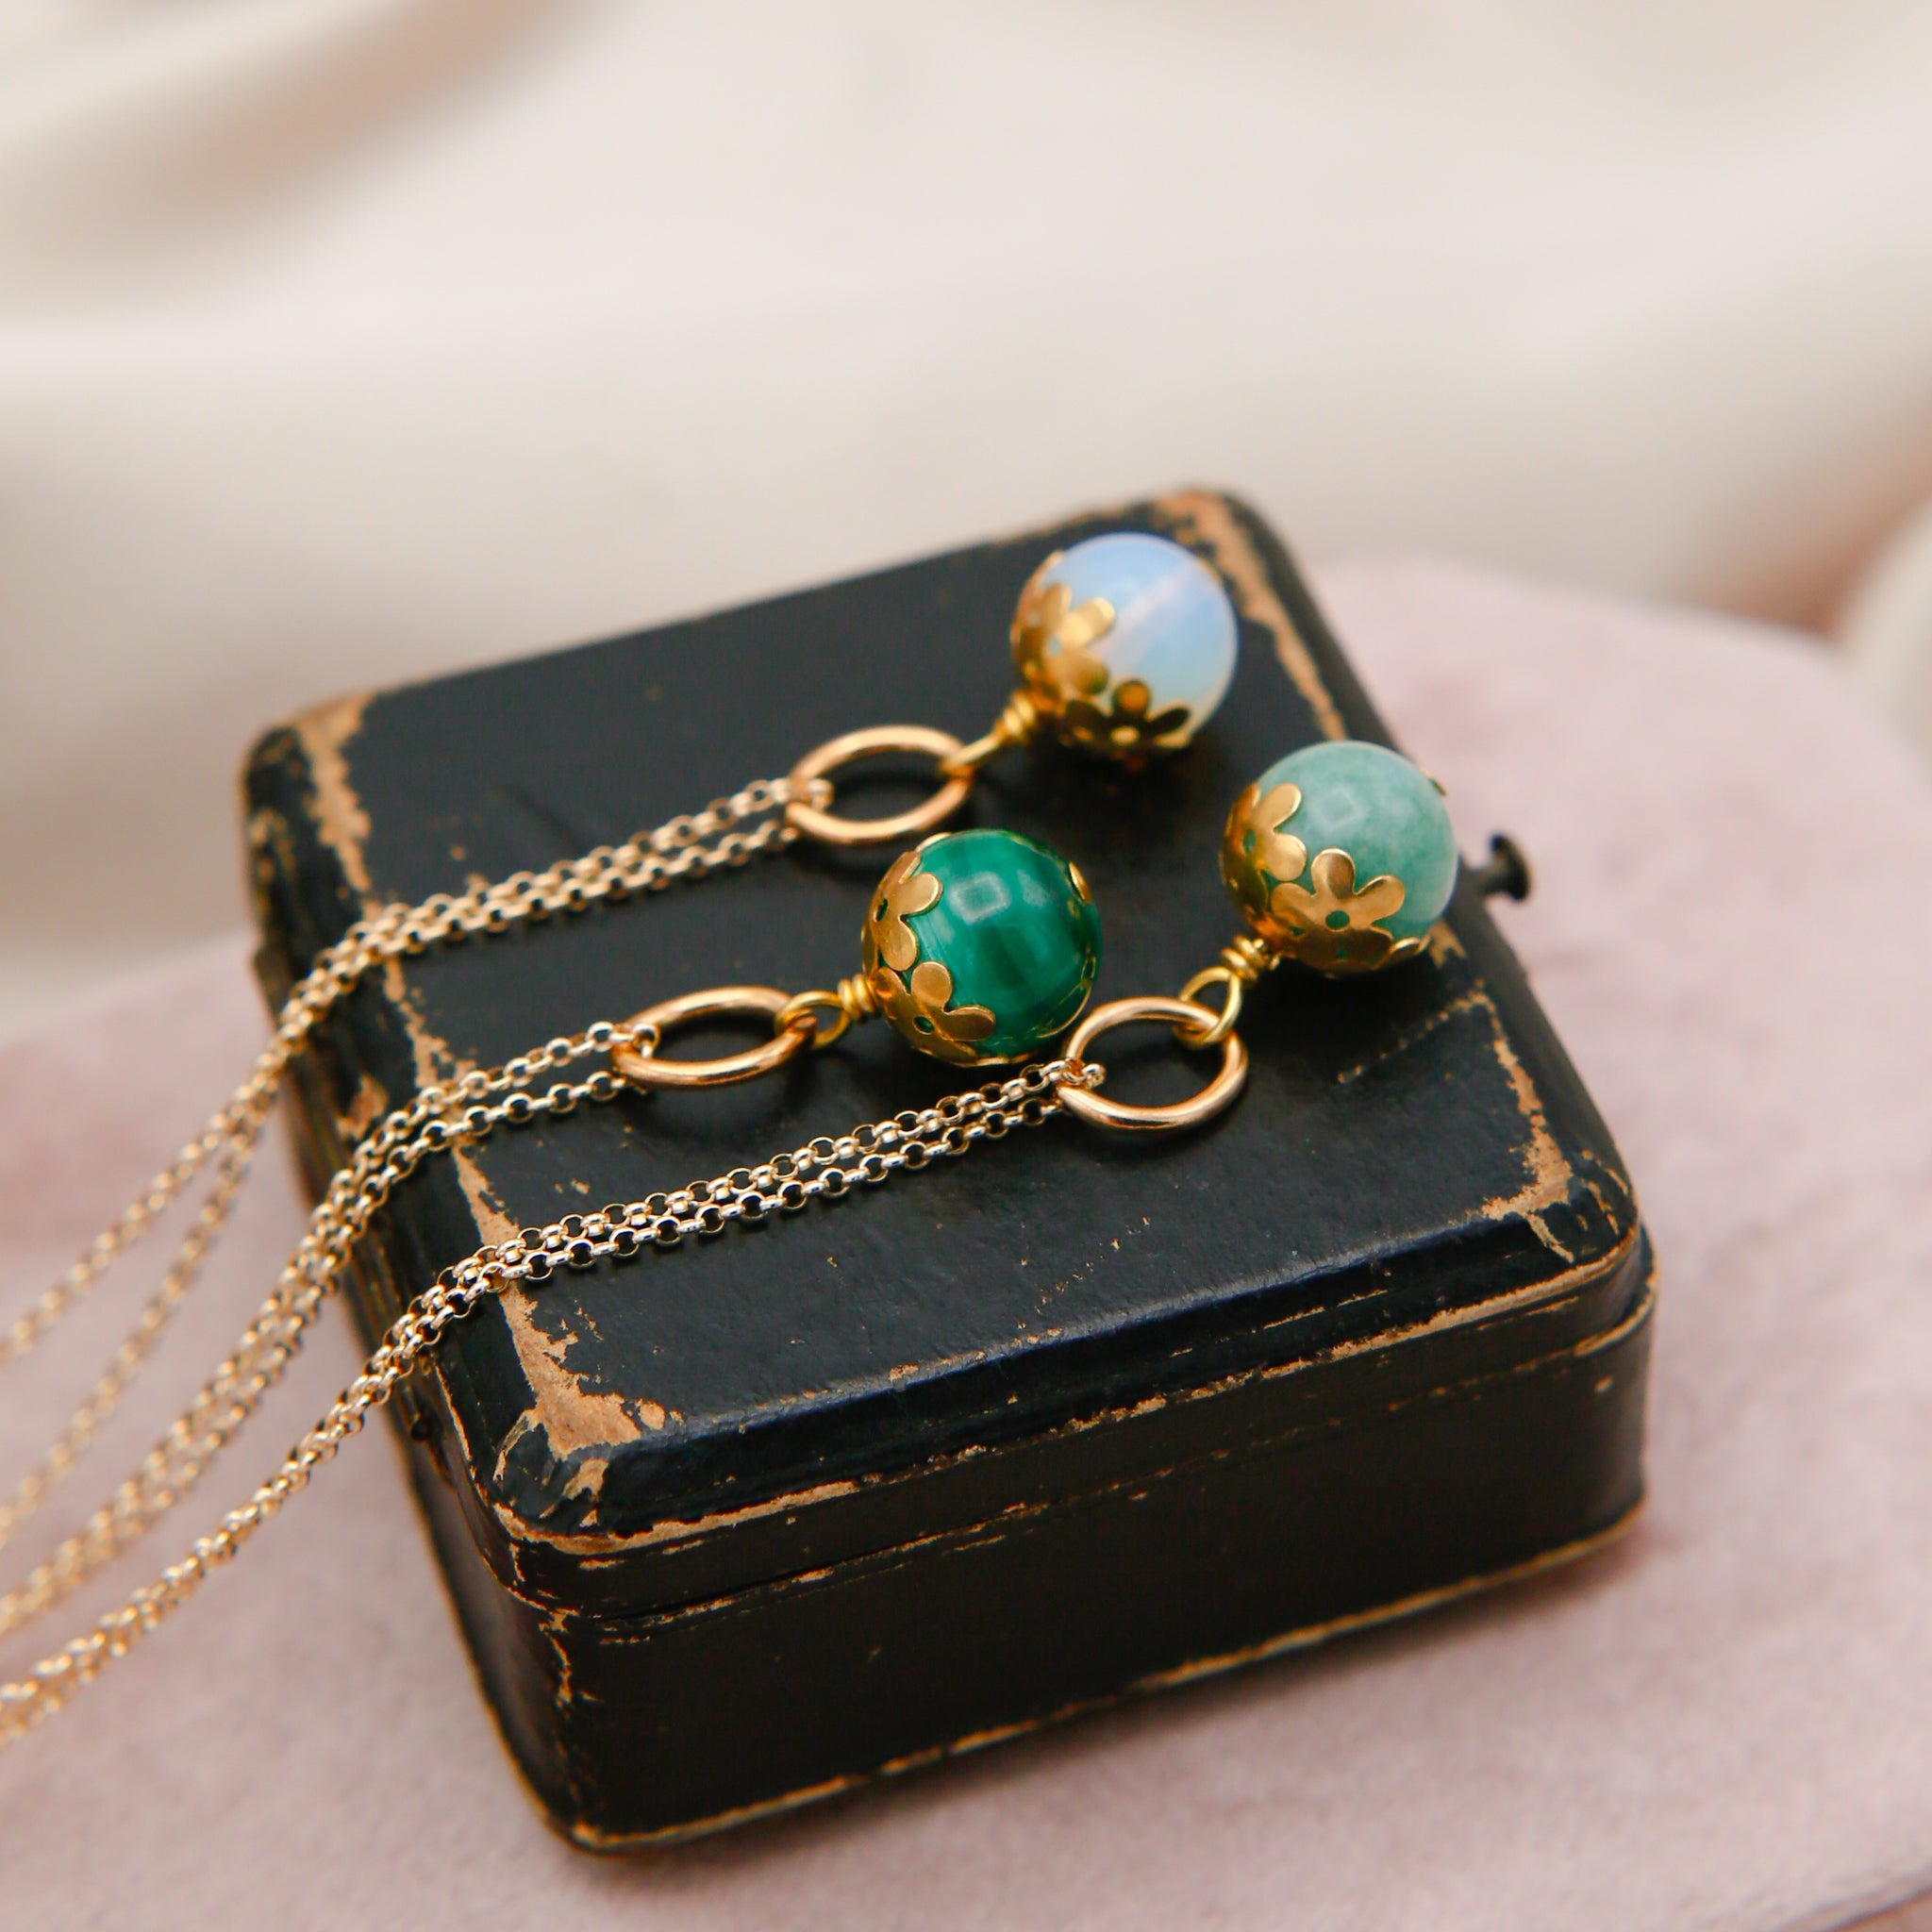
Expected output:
(1172, 635)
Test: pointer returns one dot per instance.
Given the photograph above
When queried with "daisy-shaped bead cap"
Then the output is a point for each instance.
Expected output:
(1126, 644)
(981, 946)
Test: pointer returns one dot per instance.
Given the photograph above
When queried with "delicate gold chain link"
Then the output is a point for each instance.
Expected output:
(436, 1119)
(821, 1169)
(646, 862)
(689, 846)
(230, 1171)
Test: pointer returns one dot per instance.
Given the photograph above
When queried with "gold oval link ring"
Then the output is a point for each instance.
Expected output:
(1212, 975)
(816, 821)
(1185, 1016)
(643, 1068)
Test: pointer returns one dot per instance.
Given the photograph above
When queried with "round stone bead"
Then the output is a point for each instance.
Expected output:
(1126, 644)
(1340, 856)
(981, 946)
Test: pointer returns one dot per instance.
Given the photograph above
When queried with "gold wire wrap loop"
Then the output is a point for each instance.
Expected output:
(1019, 724)
(1230, 1011)
(852, 999)
(818, 822)
(1180, 1014)
(1241, 962)
(641, 1067)
(1247, 958)
(800, 1014)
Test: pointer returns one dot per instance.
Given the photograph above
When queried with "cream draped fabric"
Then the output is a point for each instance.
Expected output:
(341, 341)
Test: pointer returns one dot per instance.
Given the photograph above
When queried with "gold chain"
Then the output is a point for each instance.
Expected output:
(439, 1118)
(230, 1171)
(436, 1119)
(824, 1168)
(689, 846)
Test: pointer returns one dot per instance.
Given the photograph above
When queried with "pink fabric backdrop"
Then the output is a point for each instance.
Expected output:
(1725, 1721)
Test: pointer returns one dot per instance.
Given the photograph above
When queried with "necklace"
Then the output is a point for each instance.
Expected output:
(1041, 910)
(1123, 644)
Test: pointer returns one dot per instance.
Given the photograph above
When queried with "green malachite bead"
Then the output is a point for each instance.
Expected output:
(1014, 930)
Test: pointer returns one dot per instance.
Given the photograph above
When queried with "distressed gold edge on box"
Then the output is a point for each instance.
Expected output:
(1639, 1314)
(1569, 1285)
(1304, 1637)
(1307, 1637)
(1207, 522)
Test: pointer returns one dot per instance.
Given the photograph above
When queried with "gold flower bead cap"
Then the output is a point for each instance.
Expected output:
(1126, 645)
(885, 940)
(916, 995)
(1341, 907)
(981, 946)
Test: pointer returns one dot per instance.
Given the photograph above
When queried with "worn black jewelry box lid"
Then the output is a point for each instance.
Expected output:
(1414, 1157)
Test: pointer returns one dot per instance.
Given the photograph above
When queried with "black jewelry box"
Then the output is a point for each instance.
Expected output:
(741, 1523)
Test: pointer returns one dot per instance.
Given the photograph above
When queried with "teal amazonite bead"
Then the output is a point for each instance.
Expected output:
(1126, 644)
(1340, 856)
(981, 946)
